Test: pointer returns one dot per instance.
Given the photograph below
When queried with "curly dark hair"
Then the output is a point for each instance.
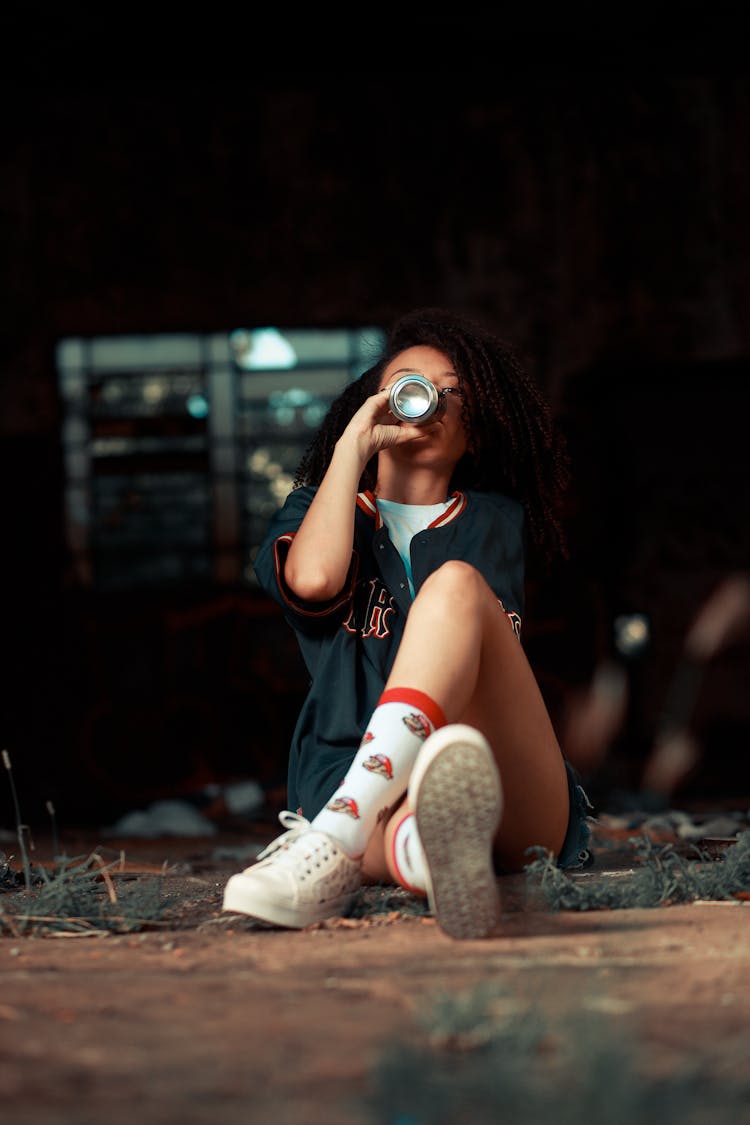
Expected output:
(516, 448)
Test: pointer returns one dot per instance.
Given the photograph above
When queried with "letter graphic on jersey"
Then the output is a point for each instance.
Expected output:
(345, 805)
(370, 619)
(379, 763)
(418, 724)
(513, 618)
(380, 606)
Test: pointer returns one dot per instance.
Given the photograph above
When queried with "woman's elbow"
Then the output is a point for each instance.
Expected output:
(312, 585)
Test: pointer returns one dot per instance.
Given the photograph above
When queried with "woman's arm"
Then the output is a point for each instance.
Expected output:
(319, 557)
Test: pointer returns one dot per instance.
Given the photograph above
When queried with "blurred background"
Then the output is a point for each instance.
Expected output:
(192, 270)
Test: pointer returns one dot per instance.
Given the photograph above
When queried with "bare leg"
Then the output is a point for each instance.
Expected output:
(460, 649)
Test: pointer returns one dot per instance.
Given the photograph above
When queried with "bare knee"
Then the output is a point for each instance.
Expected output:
(454, 582)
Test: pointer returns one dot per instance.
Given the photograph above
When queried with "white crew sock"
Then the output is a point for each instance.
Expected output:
(380, 771)
(408, 855)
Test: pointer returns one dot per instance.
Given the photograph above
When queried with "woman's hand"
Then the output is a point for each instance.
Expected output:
(373, 428)
(319, 557)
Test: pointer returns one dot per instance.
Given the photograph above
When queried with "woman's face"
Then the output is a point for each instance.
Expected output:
(445, 440)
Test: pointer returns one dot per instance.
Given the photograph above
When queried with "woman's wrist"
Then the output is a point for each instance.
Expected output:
(356, 448)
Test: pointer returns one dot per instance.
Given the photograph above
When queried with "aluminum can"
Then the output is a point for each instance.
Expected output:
(413, 398)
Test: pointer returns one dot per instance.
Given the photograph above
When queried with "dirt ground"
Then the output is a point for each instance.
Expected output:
(203, 1017)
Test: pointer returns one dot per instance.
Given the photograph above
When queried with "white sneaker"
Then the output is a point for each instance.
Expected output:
(302, 877)
(456, 796)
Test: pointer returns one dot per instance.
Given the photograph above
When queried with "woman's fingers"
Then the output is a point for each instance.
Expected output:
(383, 430)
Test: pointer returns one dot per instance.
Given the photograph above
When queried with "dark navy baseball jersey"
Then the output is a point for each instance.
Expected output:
(350, 642)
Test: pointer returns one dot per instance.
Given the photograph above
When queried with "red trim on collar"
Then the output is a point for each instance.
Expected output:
(451, 513)
(368, 504)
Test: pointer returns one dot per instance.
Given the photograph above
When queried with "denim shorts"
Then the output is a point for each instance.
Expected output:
(575, 852)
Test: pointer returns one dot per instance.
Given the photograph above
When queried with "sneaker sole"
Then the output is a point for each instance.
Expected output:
(456, 796)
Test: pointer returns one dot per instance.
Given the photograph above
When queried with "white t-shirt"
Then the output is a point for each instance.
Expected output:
(404, 521)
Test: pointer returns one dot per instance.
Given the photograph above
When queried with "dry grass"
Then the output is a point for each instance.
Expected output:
(78, 896)
(489, 1055)
(660, 877)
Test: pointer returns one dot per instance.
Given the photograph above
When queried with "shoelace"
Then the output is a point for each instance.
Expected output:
(295, 826)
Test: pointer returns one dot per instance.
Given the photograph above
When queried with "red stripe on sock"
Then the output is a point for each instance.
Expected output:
(407, 886)
(415, 698)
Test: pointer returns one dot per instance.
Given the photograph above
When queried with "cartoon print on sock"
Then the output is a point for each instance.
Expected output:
(345, 805)
(379, 763)
(366, 737)
(418, 724)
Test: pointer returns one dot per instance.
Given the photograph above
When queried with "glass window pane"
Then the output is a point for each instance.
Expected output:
(179, 448)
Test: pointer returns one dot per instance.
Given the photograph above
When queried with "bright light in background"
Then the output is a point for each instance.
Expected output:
(258, 461)
(632, 633)
(295, 396)
(281, 486)
(262, 349)
(279, 482)
(154, 390)
(197, 406)
(284, 405)
(314, 414)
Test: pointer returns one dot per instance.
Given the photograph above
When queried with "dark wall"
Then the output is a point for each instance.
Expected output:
(590, 216)
(598, 219)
